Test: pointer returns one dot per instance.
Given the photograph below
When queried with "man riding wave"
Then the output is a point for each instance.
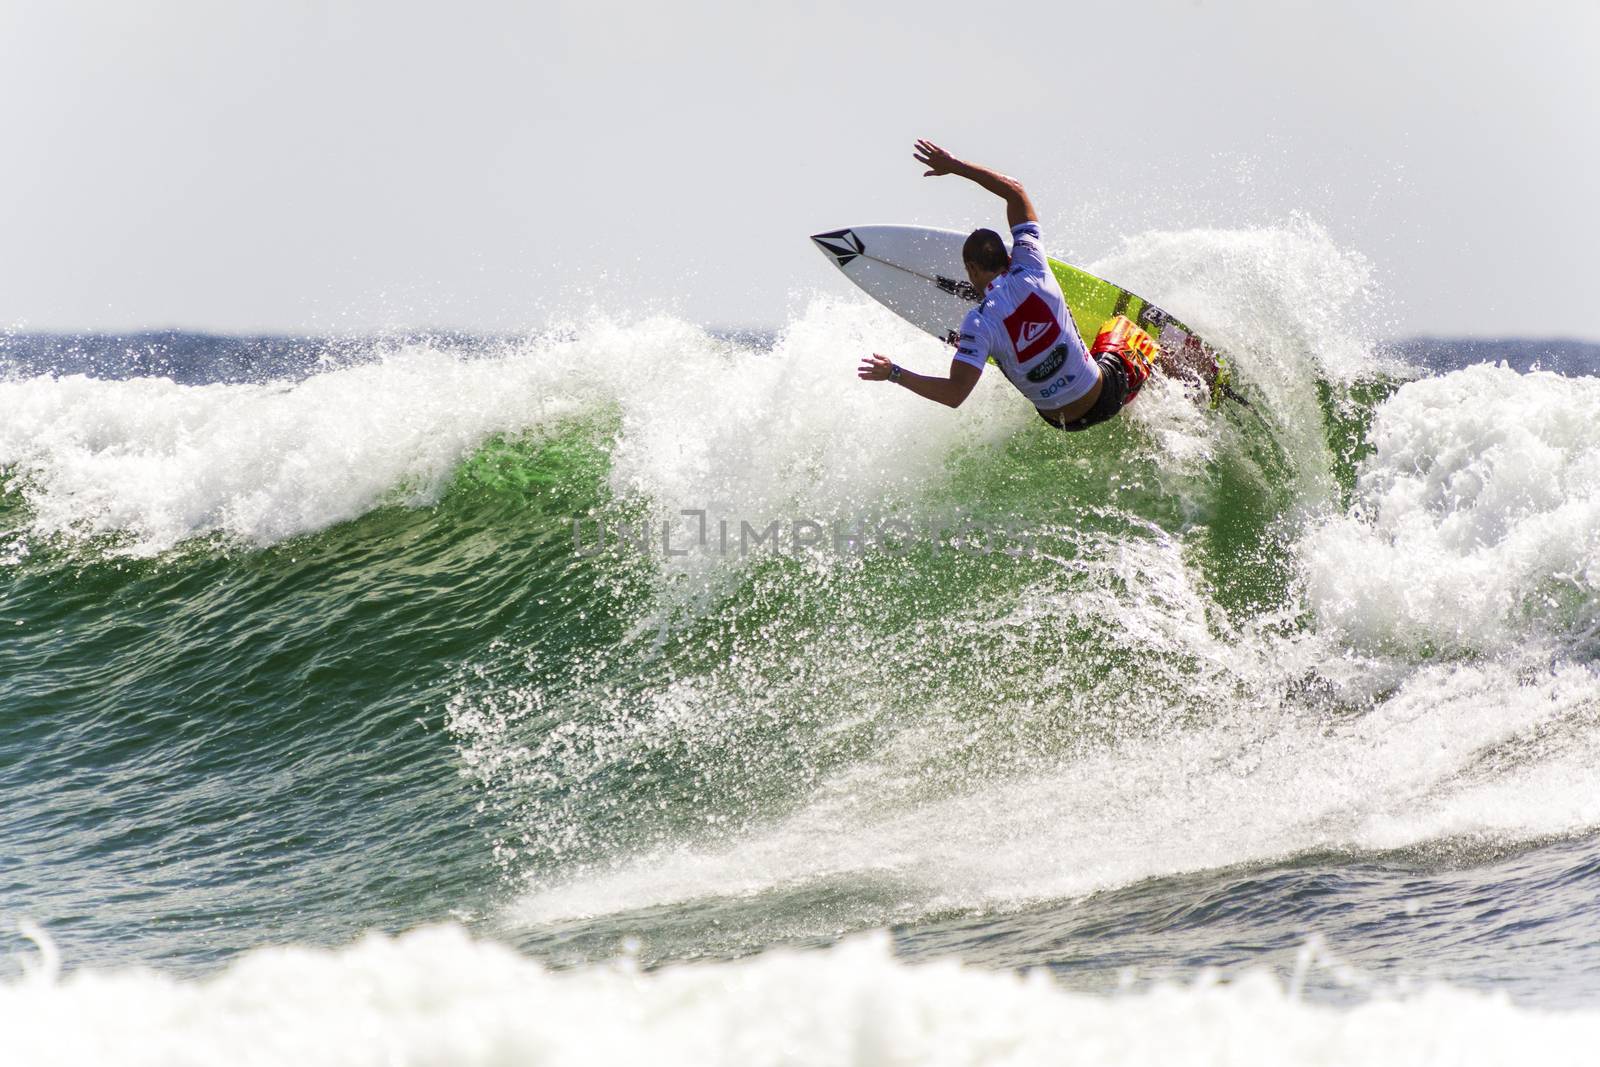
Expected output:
(1022, 322)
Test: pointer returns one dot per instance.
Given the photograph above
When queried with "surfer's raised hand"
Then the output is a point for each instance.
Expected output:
(1019, 208)
(936, 159)
(875, 368)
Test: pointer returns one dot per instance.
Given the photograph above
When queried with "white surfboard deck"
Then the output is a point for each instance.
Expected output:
(914, 271)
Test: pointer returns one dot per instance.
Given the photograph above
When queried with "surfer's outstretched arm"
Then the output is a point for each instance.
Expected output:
(949, 391)
(1019, 208)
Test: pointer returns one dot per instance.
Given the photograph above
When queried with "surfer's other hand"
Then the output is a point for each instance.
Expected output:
(936, 159)
(874, 368)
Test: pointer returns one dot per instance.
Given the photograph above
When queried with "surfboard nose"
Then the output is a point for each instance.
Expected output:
(841, 245)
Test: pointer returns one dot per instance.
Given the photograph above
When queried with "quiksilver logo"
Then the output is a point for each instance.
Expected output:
(1032, 328)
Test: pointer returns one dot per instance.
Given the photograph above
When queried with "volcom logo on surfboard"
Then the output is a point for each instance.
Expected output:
(1032, 328)
(842, 245)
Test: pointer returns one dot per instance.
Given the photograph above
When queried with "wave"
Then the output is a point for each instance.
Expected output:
(150, 463)
(759, 430)
(1353, 617)
(436, 996)
(1224, 701)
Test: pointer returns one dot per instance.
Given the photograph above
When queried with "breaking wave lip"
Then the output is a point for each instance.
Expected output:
(151, 463)
(435, 995)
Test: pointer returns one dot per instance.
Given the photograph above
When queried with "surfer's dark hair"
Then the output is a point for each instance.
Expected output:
(986, 251)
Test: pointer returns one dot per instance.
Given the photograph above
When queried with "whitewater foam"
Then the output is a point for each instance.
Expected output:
(435, 996)
(704, 422)
(1478, 522)
(154, 463)
(1436, 761)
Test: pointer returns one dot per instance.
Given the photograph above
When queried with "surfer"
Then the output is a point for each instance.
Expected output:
(1021, 321)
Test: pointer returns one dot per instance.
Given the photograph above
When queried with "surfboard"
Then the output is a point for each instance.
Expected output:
(916, 272)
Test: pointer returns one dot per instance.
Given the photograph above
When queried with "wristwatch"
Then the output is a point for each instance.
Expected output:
(894, 372)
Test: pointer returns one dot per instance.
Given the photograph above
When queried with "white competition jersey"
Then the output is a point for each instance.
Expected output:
(1023, 322)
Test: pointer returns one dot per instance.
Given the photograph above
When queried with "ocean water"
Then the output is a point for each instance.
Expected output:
(637, 692)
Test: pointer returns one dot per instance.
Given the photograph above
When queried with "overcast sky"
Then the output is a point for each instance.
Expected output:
(245, 165)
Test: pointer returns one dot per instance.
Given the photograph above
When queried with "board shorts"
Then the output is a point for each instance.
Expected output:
(1124, 353)
(1113, 394)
